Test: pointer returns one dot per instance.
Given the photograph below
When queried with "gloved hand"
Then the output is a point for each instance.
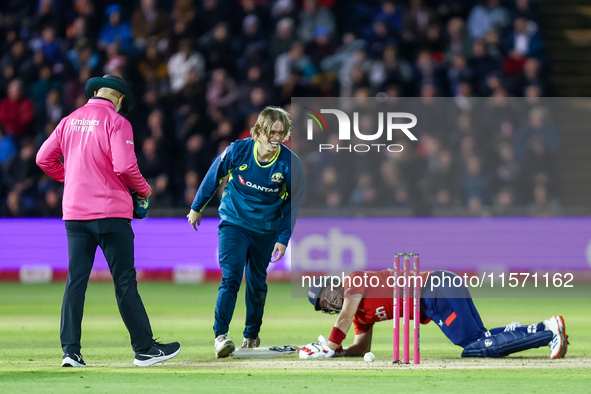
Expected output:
(316, 350)
(339, 352)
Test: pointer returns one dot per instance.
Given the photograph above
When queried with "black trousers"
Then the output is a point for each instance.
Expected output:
(115, 237)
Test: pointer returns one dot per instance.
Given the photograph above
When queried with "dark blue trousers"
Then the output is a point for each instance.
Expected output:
(452, 309)
(115, 237)
(242, 251)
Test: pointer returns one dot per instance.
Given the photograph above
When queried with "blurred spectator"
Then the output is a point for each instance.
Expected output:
(312, 16)
(197, 159)
(257, 101)
(47, 14)
(191, 187)
(76, 31)
(539, 167)
(460, 43)
(458, 73)
(482, 65)
(21, 176)
(537, 127)
(8, 146)
(507, 170)
(391, 70)
(378, 38)
(476, 184)
(294, 60)
(427, 71)
(251, 45)
(519, 44)
(221, 92)
(417, 22)
(530, 77)
(484, 18)
(211, 14)
(149, 22)
(51, 205)
(282, 39)
(43, 134)
(20, 60)
(116, 31)
(350, 45)
(116, 61)
(16, 111)
(183, 62)
(87, 10)
(75, 87)
(53, 110)
(256, 8)
(354, 68)
(435, 42)
(217, 48)
(155, 167)
(184, 22)
(392, 15)
(365, 193)
(501, 116)
(82, 55)
(321, 47)
(254, 79)
(543, 204)
(504, 202)
(51, 47)
(441, 184)
(42, 86)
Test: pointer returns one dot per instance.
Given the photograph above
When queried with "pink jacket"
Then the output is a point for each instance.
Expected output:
(99, 163)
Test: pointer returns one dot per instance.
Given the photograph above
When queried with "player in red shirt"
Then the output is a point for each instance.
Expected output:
(366, 298)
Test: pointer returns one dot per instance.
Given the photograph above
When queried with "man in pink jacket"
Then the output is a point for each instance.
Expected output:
(98, 169)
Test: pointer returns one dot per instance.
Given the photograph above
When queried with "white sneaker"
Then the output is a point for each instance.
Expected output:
(73, 360)
(559, 344)
(248, 343)
(224, 346)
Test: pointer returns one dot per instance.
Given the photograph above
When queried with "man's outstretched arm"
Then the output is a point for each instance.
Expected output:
(361, 344)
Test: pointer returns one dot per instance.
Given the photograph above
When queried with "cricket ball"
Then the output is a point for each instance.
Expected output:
(369, 357)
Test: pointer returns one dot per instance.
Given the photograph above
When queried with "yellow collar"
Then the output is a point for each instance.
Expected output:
(256, 155)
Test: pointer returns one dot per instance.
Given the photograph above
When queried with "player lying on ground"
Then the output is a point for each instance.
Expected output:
(448, 306)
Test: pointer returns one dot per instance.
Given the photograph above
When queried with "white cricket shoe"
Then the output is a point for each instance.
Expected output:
(562, 329)
(248, 343)
(224, 346)
(559, 343)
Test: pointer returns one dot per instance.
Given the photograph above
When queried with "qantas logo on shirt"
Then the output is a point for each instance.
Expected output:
(255, 186)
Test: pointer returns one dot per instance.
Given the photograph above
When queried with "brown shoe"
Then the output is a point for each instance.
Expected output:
(250, 342)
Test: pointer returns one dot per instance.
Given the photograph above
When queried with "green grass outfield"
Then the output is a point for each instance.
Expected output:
(30, 352)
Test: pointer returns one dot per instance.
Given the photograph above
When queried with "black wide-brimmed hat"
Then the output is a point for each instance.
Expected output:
(112, 82)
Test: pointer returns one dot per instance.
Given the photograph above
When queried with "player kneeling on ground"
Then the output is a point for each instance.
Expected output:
(451, 308)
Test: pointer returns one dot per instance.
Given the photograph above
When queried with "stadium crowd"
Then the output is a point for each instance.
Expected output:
(203, 69)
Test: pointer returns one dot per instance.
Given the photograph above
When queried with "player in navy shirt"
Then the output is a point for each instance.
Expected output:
(258, 209)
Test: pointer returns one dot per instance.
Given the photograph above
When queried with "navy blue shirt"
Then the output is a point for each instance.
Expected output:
(263, 197)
